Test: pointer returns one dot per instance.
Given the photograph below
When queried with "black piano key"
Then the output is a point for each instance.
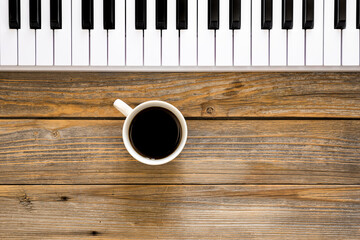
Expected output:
(87, 9)
(266, 14)
(340, 14)
(55, 14)
(235, 14)
(358, 14)
(213, 14)
(109, 14)
(182, 14)
(140, 14)
(161, 14)
(287, 14)
(35, 14)
(308, 14)
(14, 14)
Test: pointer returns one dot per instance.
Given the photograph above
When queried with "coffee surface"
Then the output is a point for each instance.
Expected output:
(155, 132)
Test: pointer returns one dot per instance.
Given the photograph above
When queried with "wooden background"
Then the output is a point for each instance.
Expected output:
(269, 156)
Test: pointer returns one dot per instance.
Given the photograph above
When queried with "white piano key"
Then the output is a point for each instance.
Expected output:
(206, 37)
(116, 37)
(98, 37)
(332, 36)
(242, 37)
(8, 37)
(224, 37)
(350, 37)
(296, 38)
(278, 37)
(188, 38)
(260, 37)
(62, 37)
(80, 38)
(314, 37)
(44, 37)
(170, 37)
(26, 37)
(134, 38)
(152, 37)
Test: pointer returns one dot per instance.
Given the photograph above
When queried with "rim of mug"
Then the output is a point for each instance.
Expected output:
(130, 117)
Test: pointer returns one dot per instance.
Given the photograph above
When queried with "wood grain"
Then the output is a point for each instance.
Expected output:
(195, 94)
(217, 152)
(180, 212)
(236, 179)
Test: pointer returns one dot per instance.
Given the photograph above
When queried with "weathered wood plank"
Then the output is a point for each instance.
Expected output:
(180, 212)
(195, 94)
(217, 152)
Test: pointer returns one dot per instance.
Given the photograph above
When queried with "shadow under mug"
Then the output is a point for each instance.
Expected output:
(130, 114)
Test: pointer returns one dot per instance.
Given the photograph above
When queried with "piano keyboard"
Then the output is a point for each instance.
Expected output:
(180, 35)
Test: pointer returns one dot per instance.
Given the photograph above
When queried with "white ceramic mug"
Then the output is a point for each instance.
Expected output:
(131, 113)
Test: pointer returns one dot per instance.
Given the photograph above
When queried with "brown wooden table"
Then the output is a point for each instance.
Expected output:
(269, 156)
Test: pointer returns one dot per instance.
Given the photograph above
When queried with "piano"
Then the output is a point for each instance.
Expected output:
(179, 35)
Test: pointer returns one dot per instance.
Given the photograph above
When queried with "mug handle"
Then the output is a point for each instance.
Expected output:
(122, 107)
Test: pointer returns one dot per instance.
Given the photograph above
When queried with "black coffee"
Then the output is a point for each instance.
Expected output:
(155, 132)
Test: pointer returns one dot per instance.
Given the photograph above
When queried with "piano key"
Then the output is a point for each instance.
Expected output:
(181, 14)
(98, 36)
(340, 14)
(242, 37)
(314, 37)
(287, 14)
(152, 37)
(8, 36)
(134, 38)
(224, 37)
(55, 14)
(35, 14)
(358, 14)
(308, 14)
(161, 14)
(109, 14)
(260, 37)
(87, 14)
(26, 37)
(332, 36)
(80, 37)
(188, 36)
(206, 37)
(140, 14)
(235, 14)
(296, 38)
(116, 37)
(44, 38)
(350, 36)
(277, 37)
(213, 14)
(266, 14)
(62, 37)
(170, 38)
(13, 13)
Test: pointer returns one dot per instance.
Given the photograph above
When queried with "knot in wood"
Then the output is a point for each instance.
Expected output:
(64, 198)
(55, 133)
(25, 201)
(210, 110)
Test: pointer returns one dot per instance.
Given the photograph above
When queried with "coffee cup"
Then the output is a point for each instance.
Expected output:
(154, 132)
